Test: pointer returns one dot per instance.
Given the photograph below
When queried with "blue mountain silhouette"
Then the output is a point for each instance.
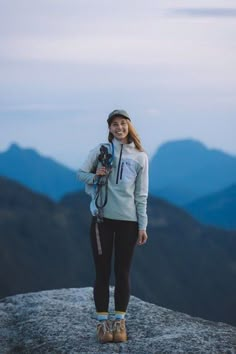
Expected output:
(184, 170)
(180, 171)
(39, 173)
(217, 209)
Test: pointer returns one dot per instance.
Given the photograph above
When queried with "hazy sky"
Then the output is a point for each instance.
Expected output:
(65, 64)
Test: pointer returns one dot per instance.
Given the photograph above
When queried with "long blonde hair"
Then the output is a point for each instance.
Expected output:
(132, 136)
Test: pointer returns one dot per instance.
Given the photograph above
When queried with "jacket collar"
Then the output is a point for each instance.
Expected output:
(117, 144)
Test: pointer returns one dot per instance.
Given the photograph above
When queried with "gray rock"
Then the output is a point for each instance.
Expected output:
(63, 321)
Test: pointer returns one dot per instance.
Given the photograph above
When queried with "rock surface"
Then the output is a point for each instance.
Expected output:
(63, 321)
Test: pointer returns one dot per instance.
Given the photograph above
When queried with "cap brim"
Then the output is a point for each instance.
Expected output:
(117, 115)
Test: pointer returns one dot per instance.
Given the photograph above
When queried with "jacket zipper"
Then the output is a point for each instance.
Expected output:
(118, 171)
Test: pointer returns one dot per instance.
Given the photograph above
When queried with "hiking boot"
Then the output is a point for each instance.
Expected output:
(104, 332)
(119, 331)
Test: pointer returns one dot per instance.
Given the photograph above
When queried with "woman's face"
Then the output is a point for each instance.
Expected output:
(120, 129)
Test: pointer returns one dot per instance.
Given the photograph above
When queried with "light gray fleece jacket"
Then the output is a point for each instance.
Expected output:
(127, 183)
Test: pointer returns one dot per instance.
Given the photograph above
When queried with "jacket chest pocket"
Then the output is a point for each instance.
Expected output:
(128, 171)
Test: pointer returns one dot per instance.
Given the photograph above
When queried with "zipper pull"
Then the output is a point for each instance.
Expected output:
(118, 169)
(121, 170)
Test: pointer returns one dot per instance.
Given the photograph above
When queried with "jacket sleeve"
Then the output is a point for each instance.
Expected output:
(141, 194)
(86, 172)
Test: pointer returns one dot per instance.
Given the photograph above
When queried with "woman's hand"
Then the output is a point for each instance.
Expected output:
(101, 171)
(142, 237)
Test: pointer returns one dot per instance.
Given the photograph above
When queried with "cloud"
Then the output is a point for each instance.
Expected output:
(204, 12)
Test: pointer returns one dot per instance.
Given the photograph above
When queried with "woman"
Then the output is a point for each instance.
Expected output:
(118, 175)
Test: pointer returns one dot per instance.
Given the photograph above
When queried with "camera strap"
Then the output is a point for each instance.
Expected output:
(101, 186)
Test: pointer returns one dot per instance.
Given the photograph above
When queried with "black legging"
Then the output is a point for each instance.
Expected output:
(122, 235)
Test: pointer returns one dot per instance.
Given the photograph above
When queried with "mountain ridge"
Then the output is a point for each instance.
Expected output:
(217, 209)
(181, 171)
(45, 245)
(39, 173)
(184, 170)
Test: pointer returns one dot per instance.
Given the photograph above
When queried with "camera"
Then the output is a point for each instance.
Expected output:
(104, 157)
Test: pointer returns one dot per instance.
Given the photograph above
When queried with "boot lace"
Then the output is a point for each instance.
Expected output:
(104, 327)
(118, 326)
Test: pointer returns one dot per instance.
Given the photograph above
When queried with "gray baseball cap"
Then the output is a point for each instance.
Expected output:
(118, 112)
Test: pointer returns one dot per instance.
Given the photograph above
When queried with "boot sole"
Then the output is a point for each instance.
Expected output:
(119, 340)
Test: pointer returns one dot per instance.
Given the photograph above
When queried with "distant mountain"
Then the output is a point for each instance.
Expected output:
(184, 266)
(180, 172)
(216, 209)
(184, 170)
(39, 173)
(43, 245)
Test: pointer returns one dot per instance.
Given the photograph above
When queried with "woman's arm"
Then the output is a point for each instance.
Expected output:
(141, 194)
(87, 172)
